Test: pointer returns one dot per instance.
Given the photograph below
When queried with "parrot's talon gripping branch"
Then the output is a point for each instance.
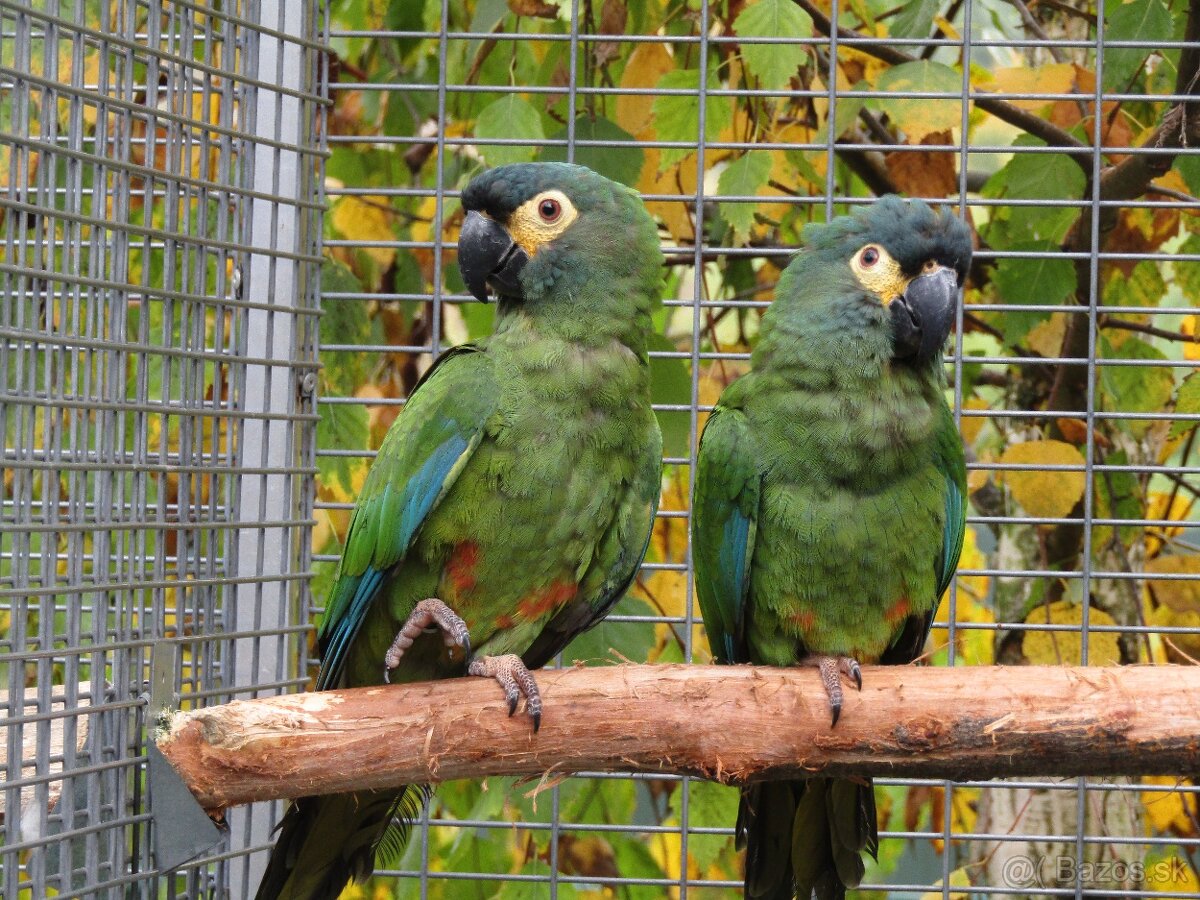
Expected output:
(832, 668)
(516, 680)
(429, 613)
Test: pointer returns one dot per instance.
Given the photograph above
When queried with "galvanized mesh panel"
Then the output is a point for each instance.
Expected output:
(420, 94)
(160, 225)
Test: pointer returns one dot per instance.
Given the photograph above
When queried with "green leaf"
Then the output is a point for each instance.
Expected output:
(743, 176)
(513, 118)
(1188, 165)
(917, 118)
(343, 426)
(915, 19)
(1118, 496)
(345, 322)
(710, 805)
(1135, 388)
(1047, 281)
(623, 164)
(1144, 287)
(632, 640)
(634, 860)
(1141, 20)
(670, 383)
(1187, 402)
(773, 64)
(675, 116)
(847, 105)
(1187, 274)
(1034, 176)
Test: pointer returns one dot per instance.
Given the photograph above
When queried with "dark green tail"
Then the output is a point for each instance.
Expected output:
(806, 836)
(325, 842)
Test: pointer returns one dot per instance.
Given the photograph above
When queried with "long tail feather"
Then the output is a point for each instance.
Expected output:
(326, 842)
(806, 837)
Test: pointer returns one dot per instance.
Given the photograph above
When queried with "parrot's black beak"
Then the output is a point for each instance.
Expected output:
(923, 314)
(489, 259)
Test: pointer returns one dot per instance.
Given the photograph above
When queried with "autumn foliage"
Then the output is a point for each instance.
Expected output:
(1073, 369)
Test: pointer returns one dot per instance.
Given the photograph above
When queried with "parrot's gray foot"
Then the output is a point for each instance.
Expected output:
(516, 680)
(430, 613)
(832, 668)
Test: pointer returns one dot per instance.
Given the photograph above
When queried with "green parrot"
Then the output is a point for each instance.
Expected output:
(512, 500)
(828, 508)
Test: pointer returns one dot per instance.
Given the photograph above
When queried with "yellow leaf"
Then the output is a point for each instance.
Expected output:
(1179, 595)
(678, 179)
(1178, 646)
(1053, 78)
(958, 878)
(1156, 508)
(1046, 337)
(647, 64)
(1050, 494)
(1164, 809)
(366, 219)
(1172, 876)
(972, 425)
(1191, 326)
(1062, 648)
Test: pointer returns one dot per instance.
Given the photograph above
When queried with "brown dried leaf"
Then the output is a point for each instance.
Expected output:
(534, 8)
(1075, 431)
(924, 174)
(646, 66)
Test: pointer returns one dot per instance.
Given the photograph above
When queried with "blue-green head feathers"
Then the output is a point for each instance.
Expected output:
(911, 230)
(588, 240)
(870, 289)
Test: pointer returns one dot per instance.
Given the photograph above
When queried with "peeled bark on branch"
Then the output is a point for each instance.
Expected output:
(727, 723)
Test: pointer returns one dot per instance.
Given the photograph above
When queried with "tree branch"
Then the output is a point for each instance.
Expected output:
(727, 723)
(1006, 112)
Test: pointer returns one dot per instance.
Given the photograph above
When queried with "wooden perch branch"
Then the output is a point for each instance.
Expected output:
(729, 723)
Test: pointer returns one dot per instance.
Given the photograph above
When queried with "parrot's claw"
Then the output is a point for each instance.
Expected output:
(515, 679)
(430, 613)
(832, 668)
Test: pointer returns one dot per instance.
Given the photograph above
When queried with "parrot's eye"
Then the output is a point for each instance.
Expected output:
(541, 219)
(868, 256)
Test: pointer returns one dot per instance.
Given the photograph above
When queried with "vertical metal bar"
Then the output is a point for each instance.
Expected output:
(1090, 411)
(831, 115)
(572, 82)
(693, 416)
(272, 226)
(952, 597)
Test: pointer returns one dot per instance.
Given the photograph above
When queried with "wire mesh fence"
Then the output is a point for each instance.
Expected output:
(158, 248)
(739, 122)
(161, 234)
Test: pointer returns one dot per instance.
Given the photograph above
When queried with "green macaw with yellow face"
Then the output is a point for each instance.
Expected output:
(512, 500)
(828, 511)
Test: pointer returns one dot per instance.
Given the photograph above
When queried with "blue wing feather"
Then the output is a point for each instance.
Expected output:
(426, 448)
(724, 517)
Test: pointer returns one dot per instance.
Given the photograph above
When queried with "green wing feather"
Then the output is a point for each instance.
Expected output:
(619, 554)
(724, 517)
(424, 452)
(951, 462)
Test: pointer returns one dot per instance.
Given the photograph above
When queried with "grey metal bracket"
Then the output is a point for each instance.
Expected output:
(182, 830)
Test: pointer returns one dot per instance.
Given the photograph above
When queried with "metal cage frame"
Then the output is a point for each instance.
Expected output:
(163, 190)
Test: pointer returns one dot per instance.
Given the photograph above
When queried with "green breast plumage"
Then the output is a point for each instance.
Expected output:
(567, 462)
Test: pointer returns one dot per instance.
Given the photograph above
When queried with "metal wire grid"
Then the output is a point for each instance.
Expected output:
(159, 233)
(1086, 837)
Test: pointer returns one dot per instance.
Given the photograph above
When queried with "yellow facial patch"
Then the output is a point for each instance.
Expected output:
(879, 273)
(538, 221)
